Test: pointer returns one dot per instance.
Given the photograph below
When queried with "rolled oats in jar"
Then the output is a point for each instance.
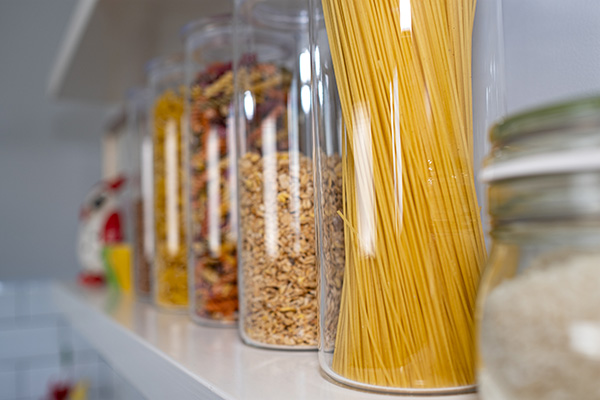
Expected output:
(278, 272)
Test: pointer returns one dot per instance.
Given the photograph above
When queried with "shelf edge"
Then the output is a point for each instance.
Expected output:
(150, 371)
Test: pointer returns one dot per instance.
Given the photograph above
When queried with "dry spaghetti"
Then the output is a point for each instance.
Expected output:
(413, 238)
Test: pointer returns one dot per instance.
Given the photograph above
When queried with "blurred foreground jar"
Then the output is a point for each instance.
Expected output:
(212, 172)
(278, 270)
(140, 189)
(166, 77)
(538, 318)
(400, 128)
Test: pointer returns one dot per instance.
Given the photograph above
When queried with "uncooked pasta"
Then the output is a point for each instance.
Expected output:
(171, 283)
(413, 238)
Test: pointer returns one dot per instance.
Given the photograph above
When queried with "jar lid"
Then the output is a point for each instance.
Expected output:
(562, 116)
(137, 93)
(543, 164)
(168, 62)
(137, 97)
(557, 139)
(218, 24)
(277, 14)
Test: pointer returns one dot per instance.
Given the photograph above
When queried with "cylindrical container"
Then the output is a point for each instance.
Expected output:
(212, 199)
(166, 79)
(140, 191)
(537, 313)
(278, 270)
(398, 141)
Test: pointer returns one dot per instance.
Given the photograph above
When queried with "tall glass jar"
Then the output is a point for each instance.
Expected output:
(166, 79)
(140, 191)
(538, 319)
(210, 144)
(278, 271)
(399, 129)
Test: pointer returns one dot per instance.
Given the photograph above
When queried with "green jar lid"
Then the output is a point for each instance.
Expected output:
(562, 138)
(564, 116)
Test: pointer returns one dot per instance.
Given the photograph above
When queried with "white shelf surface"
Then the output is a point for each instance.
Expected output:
(108, 42)
(166, 356)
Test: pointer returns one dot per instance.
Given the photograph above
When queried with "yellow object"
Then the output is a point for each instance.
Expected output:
(413, 238)
(169, 223)
(119, 258)
(79, 391)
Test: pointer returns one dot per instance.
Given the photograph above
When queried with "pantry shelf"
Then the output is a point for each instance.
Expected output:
(107, 43)
(165, 356)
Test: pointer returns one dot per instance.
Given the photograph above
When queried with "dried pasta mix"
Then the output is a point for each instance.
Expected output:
(213, 183)
(170, 258)
(267, 89)
(278, 249)
(212, 198)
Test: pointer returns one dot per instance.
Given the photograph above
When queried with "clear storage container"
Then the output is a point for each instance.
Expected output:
(166, 79)
(278, 270)
(212, 172)
(400, 131)
(538, 320)
(140, 191)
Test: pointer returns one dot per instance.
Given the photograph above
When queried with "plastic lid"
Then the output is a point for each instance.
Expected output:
(136, 93)
(174, 60)
(219, 24)
(278, 14)
(137, 98)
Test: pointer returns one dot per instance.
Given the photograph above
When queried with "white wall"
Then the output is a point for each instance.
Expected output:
(50, 153)
(552, 50)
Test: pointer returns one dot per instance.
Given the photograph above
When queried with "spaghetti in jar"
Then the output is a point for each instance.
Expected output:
(400, 234)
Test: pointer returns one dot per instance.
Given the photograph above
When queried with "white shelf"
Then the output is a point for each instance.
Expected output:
(107, 43)
(166, 356)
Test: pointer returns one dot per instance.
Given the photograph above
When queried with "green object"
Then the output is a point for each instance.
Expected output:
(111, 276)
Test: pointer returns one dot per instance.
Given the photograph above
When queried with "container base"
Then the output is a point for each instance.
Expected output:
(144, 298)
(171, 309)
(393, 390)
(260, 345)
(212, 323)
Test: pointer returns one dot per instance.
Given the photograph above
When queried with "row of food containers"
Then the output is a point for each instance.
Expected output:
(307, 172)
(209, 201)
